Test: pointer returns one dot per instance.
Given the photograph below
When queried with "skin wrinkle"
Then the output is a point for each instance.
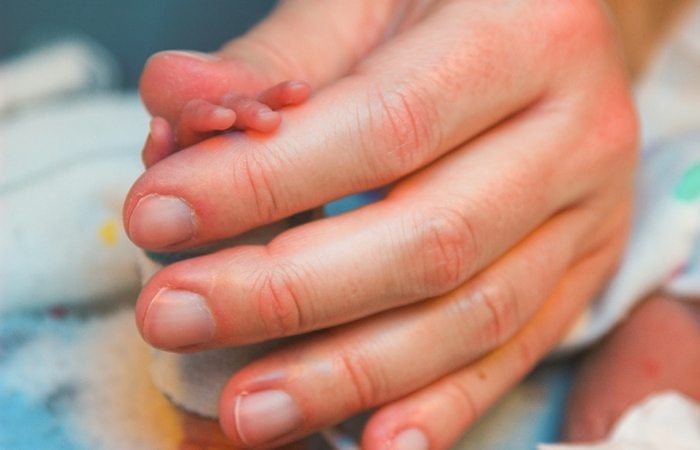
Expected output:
(385, 327)
(499, 307)
(400, 111)
(484, 284)
(449, 246)
(369, 68)
(248, 170)
(518, 200)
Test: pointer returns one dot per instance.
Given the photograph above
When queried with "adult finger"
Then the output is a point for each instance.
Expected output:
(460, 398)
(398, 113)
(369, 363)
(433, 231)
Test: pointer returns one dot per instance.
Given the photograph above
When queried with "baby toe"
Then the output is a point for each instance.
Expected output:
(200, 118)
(201, 115)
(251, 113)
(172, 78)
(287, 93)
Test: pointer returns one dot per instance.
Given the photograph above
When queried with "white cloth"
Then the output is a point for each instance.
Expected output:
(64, 170)
(664, 421)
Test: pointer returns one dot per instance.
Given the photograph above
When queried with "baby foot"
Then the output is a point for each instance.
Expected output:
(657, 348)
(191, 98)
(201, 119)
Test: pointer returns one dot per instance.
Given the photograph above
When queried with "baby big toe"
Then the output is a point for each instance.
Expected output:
(172, 78)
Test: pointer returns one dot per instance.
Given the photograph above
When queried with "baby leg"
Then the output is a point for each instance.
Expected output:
(657, 348)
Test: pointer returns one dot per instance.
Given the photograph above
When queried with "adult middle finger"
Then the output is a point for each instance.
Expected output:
(379, 359)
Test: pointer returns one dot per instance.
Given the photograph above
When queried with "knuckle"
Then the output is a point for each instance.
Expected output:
(367, 386)
(403, 121)
(499, 303)
(278, 302)
(458, 394)
(252, 174)
(447, 245)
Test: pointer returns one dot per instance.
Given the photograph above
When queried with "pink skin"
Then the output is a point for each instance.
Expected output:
(200, 118)
(657, 348)
(508, 134)
(632, 363)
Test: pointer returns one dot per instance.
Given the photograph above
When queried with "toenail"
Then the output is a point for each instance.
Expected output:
(221, 112)
(159, 221)
(267, 114)
(192, 54)
(264, 416)
(411, 439)
(176, 319)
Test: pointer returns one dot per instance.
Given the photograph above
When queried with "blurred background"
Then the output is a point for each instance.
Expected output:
(131, 30)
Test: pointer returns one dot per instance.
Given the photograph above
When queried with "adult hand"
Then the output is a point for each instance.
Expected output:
(507, 132)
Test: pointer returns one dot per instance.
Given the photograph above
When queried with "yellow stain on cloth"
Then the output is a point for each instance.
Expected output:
(109, 233)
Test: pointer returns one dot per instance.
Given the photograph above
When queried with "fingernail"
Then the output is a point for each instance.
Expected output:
(265, 416)
(208, 57)
(158, 221)
(410, 439)
(177, 318)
